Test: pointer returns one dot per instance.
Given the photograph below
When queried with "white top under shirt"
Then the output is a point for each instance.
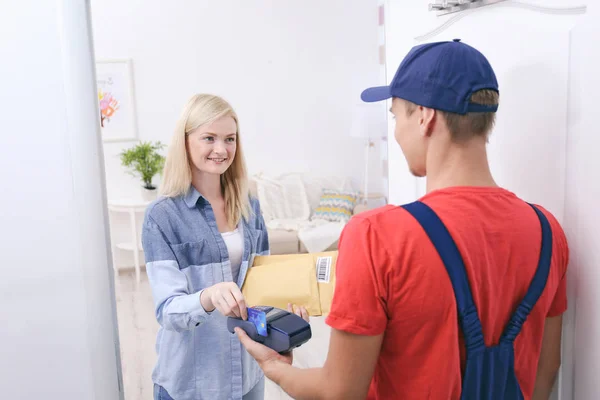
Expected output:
(234, 241)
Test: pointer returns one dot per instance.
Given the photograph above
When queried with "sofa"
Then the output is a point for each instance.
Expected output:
(302, 192)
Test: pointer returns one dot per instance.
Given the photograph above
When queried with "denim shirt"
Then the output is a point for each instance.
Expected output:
(197, 356)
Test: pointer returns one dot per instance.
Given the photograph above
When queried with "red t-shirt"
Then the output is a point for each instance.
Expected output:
(391, 280)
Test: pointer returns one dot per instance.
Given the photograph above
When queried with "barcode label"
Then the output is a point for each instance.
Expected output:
(323, 269)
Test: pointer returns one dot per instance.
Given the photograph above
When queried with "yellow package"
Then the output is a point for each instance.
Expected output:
(323, 265)
(280, 283)
(325, 269)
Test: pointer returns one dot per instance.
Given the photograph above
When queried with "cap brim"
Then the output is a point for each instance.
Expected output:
(376, 94)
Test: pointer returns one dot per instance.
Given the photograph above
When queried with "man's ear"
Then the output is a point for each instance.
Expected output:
(427, 117)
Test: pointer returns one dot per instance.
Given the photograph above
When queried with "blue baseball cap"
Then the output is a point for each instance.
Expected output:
(442, 76)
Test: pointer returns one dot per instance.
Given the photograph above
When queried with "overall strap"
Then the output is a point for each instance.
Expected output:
(537, 284)
(446, 248)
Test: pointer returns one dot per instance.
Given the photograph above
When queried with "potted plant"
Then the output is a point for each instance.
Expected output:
(144, 161)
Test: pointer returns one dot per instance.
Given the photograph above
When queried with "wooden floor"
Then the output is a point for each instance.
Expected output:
(137, 334)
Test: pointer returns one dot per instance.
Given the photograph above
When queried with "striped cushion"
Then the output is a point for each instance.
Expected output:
(336, 206)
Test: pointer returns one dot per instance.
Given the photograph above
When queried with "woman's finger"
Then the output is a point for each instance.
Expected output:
(241, 302)
(297, 311)
(232, 305)
(304, 314)
(218, 303)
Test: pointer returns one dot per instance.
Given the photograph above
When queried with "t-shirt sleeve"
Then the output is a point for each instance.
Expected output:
(359, 296)
(561, 252)
(559, 303)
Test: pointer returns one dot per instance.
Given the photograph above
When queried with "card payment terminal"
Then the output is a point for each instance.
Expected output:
(284, 330)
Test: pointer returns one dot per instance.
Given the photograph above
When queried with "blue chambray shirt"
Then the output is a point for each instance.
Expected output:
(197, 356)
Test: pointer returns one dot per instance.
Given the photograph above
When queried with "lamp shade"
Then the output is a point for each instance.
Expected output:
(368, 120)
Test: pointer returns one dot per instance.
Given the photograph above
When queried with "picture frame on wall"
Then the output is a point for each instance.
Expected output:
(116, 100)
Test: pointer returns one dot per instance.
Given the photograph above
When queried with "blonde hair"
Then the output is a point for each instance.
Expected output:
(203, 109)
(465, 127)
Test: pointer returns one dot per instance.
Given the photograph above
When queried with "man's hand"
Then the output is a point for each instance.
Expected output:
(346, 374)
(227, 298)
(268, 359)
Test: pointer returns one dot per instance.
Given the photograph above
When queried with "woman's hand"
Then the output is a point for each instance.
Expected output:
(302, 313)
(227, 298)
(299, 311)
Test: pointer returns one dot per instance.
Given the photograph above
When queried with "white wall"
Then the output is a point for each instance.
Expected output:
(408, 21)
(582, 217)
(292, 70)
(528, 148)
(57, 335)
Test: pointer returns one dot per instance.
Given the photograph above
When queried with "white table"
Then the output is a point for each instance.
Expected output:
(131, 207)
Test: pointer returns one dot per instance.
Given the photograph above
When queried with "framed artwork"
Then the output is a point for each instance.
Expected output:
(114, 81)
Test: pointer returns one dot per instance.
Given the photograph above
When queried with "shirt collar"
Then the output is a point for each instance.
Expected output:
(192, 196)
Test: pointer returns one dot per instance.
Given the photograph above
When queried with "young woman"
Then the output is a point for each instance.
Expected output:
(199, 240)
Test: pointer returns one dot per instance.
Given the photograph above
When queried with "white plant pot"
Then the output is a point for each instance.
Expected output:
(149, 194)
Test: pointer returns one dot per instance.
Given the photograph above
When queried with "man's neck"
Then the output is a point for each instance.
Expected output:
(454, 165)
(208, 185)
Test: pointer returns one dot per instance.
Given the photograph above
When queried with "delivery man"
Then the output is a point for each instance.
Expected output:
(458, 294)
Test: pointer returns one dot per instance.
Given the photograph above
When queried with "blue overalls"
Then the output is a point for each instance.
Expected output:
(490, 371)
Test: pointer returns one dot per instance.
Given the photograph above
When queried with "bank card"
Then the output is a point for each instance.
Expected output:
(259, 319)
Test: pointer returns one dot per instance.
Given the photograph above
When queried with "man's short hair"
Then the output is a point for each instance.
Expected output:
(465, 127)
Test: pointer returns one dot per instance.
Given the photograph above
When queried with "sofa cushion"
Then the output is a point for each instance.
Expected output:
(336, 205)
(283, 197)
(314, 185)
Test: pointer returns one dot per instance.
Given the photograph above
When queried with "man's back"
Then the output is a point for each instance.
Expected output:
(411, 297)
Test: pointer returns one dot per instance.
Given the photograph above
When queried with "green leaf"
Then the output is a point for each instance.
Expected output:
(144, 161)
